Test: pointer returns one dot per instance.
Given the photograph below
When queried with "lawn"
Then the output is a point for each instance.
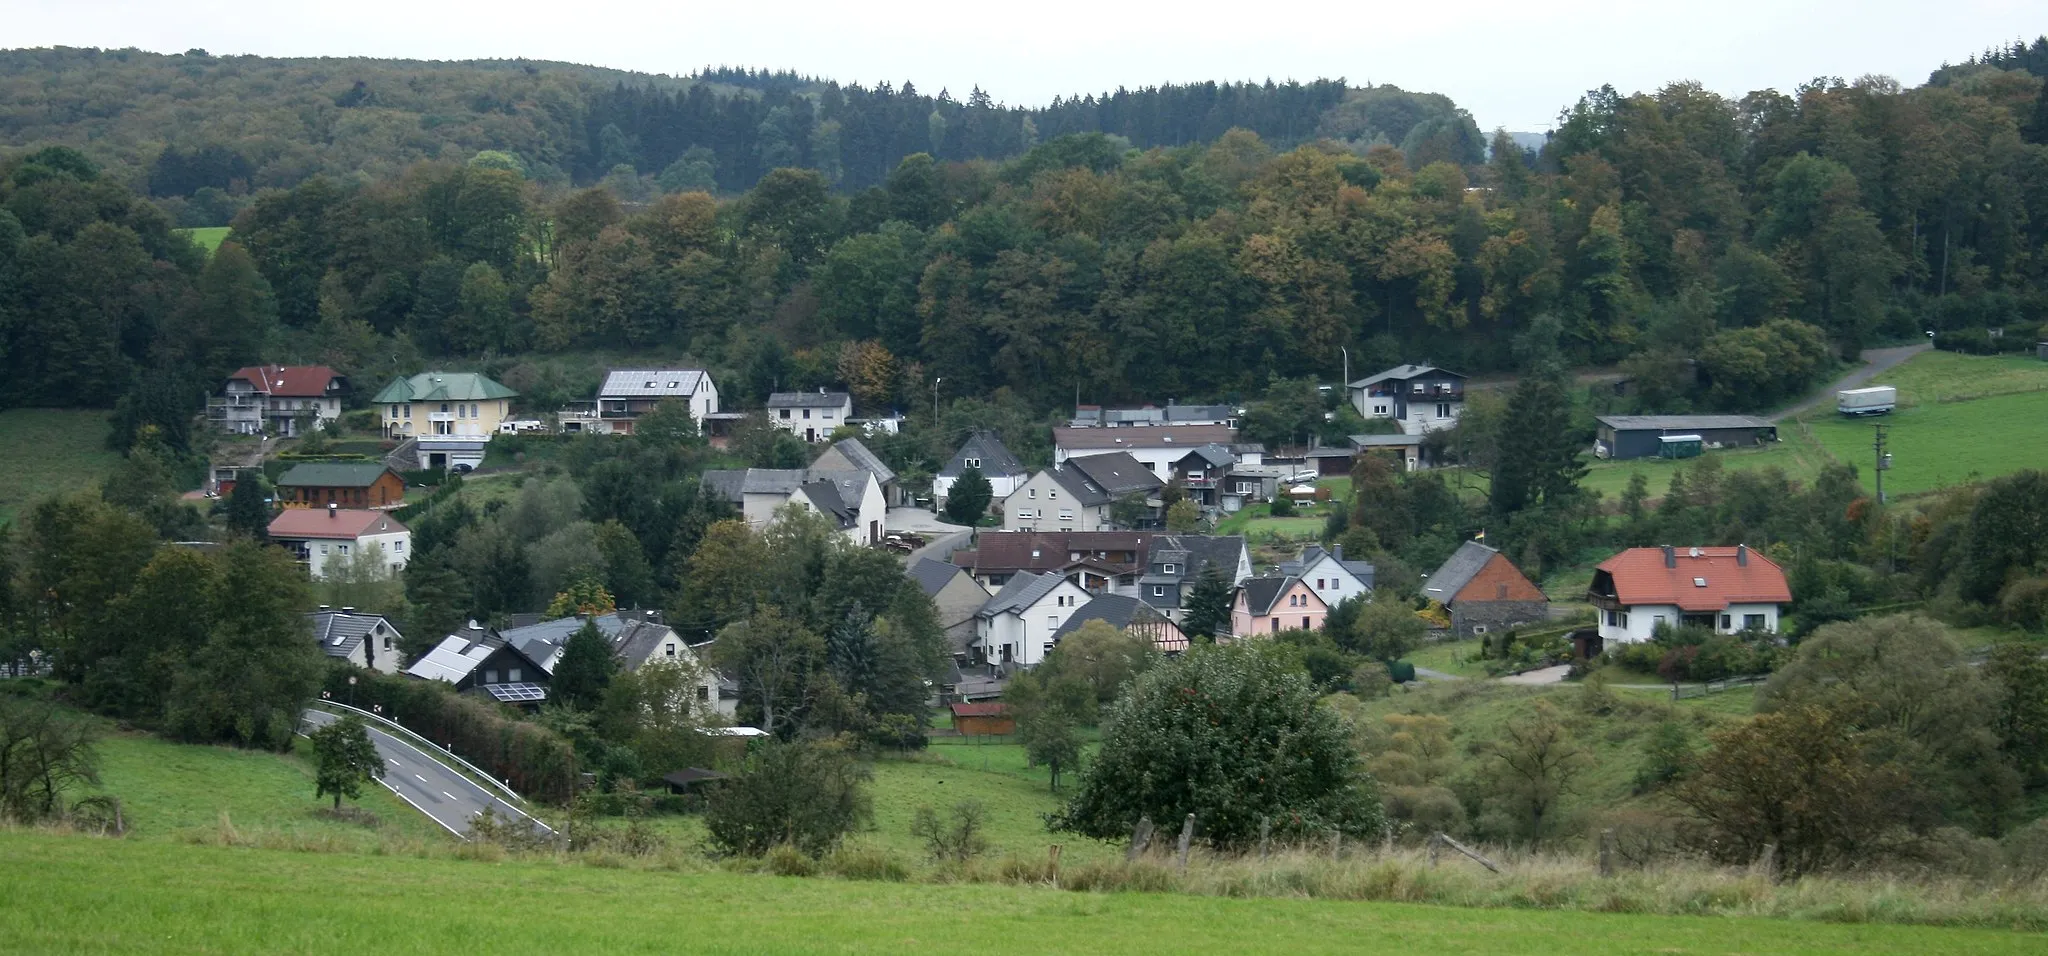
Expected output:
(1793, 452)
(208, 237)
(1934, 377)
(51, 450)
(1257, 521)
(1941, 444)
(169, 790)
(75, 894)
(1449, 657)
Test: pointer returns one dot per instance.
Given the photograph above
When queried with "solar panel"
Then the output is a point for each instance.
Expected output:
(516, 693)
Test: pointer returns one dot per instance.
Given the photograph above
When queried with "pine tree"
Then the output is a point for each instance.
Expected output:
(586, 668)
(969, 497)
(1208, 606)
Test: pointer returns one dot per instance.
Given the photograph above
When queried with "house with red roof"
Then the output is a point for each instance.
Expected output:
(328, 539)
(1725, 589)
(272, 399)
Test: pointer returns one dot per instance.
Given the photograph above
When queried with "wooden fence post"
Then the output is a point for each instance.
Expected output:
(1767, 863)
(1435, 841)
(1606, 853)
(1187, 834)
(1052, 852)
(1336, 844)
(1141, 838)
(1386, 837)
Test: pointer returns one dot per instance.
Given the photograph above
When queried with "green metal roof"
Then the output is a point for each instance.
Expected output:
(443, 387)
(333, 474)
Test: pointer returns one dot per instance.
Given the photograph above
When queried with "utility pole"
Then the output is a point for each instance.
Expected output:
(1884, 461)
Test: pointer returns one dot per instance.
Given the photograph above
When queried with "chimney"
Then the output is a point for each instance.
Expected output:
(1670, 557)
(333, 510)
(1337, 551)
(1742, 555)
(348, 610)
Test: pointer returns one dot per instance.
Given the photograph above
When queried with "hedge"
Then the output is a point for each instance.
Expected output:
(535, 761)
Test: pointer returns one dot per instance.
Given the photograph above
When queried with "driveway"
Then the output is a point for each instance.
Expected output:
(918, 520)
(449, 798)
(1875, 362)
(1540, 676)
(941, 548)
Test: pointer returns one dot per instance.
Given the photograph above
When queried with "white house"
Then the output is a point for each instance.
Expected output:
(1725, 589)
(1017, 625)
(1419, 398)
(1156, 447)
(330, 539)
(628, 393)
(368, 641)
(850, 498)
(1334, 579)
(271, 399)
(985, 453)
(1078, 494)
(810, 416)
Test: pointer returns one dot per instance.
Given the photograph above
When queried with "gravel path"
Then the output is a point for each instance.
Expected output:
(1875, 362)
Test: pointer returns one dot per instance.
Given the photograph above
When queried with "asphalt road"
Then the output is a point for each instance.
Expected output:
(1875, 362)
(432, 788)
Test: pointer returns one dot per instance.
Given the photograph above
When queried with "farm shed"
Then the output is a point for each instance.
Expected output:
(1642, 436)
(990, 718)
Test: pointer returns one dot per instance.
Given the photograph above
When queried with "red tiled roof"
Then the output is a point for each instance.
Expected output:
(990, 709)
(344, 523)
(1709, 582)
(289, 381)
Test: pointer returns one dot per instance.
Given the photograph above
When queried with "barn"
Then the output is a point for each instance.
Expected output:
(1642, 436)
(991, 718)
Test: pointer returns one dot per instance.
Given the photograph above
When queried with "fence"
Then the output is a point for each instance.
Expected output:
(1708, 688)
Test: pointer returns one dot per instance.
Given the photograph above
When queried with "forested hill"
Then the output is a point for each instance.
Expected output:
(174, 125)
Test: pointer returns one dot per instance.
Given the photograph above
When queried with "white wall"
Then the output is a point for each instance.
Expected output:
(1340, 583)
(396, 547)
(1046, 500)
(705, 402)
(821, 423)
(1641, 621)
(1029, 632)
(1001, 486)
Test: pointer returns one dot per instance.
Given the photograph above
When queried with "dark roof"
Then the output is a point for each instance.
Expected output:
(1154, 436)
(1362, 570)
(1020, 594)
(932, 576)
(635, 643)
(728, 484)
(333, 474)
(1385, 441)
(339, 633)
(1001, 551)
(1260, 593)
(993, 708)
(542, 643)
(1116, 610)
(1199, 413)
(1214, 456)
(690, 775)
(809, 400)
(824, 496)
(985, 446)
(1636, 423)
(1402, 373)
(1083, 489)
(442, 387)
(860, 457)
(1457, 571)
(1203, 550)
(1119, 474)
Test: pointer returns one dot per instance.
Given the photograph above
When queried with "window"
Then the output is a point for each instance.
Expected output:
(1159, 590)
(444, 408)
(1379, 409)
(1305, 625)
(1613, 619)
(974, 463)
(1025, 515)
(341, 548)
(1172, 569)
(387, 642)
(1443, 409)
(512, 676)
(490, 677)
(323, 549)
(1276, 625)
(1478, 628)
(1052, 621)
(1754, 622)
(1244, 487)
(1319, 584)
(703, 692)
(398, 545)
(1726, 621)
(1033, 494)
(408, 411)
(462, 411)
(1052, 493)
(807, 413)
(1066, 514)
(785, 414)
(1656, 620)
(669, 650)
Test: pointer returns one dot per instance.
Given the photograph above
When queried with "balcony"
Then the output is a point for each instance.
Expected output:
(440, 416)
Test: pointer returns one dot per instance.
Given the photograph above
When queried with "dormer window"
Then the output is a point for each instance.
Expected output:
(1699, 582)
(1172, 569)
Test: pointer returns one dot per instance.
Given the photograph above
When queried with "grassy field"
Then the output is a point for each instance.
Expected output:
(73, 894)
(1793, 452)
(209, 237)
(1933, 377)
(1941, 444)
(50, 450)
(1449, 657)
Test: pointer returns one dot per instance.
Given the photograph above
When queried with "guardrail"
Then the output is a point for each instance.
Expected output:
(495, 783)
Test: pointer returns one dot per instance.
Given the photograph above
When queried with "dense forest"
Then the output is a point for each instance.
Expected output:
(1719, 248)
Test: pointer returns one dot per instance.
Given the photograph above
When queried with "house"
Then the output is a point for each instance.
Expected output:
(450, 416)
(1096, 416)
(851, 499)
(1726, 589)
(348, 484)
(1335, 580)
(1015, 627)
(1273, 604)
(1204, 474)
(369, 641)
(984, 452)
(850, 455)
(1176, 563)
(628, 393)
(1646, 436)
(1156, 447)
(478, 661)
(956, 597)
(642, 640)
(1484, 591)
(1077, 495)
(1419, 398)
(1131, 615)
(986, 719)
(1407, 450)
(273, 399)
(1158, 569)
(810, 416)
(328, 539)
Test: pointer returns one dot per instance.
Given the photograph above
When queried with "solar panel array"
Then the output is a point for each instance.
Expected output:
(516, 693)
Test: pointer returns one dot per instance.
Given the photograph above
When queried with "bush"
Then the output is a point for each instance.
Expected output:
(958, 837)
(1282, 506)
(802, 796)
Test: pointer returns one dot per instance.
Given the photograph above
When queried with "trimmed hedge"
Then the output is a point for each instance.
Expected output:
(535, 761)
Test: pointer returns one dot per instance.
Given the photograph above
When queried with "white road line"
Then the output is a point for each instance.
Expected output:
(488, 798)
(447, 794)
(458, 833)
(419, 778)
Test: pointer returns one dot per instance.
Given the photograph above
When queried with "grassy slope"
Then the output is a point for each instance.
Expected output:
(1937, 445)
(1932, 377)
(1794, 453)
(208, 237)
(169, 790)
(50, 450)
(75, 895)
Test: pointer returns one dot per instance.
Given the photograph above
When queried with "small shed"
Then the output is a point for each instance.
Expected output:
(988, 718)
(682, 781)
(1678, 446)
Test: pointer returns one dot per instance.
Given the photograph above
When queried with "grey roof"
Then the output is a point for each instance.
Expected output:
(1020, 594)
(1216, 455)
(849, 486)
(824, 496)
(1118, 473)
(1204, 550)
(542, 643)
(636, 642)
(1086, 493)
(864, 459)
(1116, 610)
(1402, 373)
(985, 446)
(1632, 423)
(1362, 570)
(809, 400)
(339, 633)
(1260, 593)
(1457, 571)
(728, 484)
(773, 481)
(650, 383)
(1199, 413)
(932, 576)
(1385, 441)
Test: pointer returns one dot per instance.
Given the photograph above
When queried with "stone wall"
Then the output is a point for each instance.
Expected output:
(1497, 616)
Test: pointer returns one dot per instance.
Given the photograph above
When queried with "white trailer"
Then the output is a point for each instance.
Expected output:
(1877, 400)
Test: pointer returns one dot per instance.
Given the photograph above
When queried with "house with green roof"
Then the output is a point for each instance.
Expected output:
(451, 415)
(341, 484)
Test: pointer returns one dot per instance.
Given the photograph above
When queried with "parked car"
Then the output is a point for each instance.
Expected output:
(1300, 477)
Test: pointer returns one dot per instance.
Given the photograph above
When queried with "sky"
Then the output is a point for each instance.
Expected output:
(1511, 64)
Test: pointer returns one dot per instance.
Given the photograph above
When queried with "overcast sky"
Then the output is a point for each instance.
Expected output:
(1512, 64)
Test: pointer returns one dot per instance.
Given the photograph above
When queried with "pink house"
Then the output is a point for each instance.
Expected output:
(1270, 605)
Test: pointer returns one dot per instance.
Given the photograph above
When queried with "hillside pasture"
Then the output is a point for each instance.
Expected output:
(50, 450)
(1938, 445)
(208, 238)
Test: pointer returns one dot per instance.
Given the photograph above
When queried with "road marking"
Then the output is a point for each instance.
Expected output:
(419, 778)
(393, 762)
(447, 794)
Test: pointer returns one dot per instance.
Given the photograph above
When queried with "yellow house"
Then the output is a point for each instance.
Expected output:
(451, 415)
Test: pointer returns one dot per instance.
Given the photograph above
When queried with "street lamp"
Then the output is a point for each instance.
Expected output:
(935, 400)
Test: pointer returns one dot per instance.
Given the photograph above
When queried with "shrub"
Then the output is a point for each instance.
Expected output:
(1282, 507)
(957, 837)
(806, 796)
